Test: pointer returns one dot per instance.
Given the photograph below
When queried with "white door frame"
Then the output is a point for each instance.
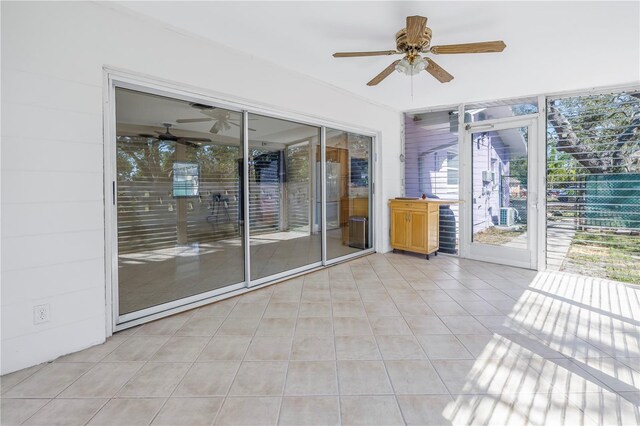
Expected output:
(533, 255)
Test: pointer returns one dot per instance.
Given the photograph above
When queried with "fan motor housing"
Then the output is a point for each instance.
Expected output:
(403, 46)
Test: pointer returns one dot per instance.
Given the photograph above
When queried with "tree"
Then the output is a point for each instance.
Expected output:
(601, 133)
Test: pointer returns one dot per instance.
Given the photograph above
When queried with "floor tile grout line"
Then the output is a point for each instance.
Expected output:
(4, 391)
(195, 359)
(115, 394)
(375, 338)
(106, 400)
(335, 348)
(235, 376)
(426, 356)
(286, 373)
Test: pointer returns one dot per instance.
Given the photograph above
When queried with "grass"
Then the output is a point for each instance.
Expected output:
(496, 237)
(605, 255)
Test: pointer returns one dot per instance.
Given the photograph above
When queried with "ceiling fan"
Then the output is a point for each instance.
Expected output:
(222, 118)
(170, 137)
(415, 40)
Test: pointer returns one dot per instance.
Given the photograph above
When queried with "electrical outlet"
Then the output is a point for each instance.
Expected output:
(41, 313)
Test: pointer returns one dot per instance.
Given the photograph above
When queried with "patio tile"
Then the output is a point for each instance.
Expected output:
(276, 327)
(464, 325)
(282, 310)
(137, 348)
(311, 378)
(370, 410)
(200, 326)
(389, 326)
(16, 411)
(259, 378)
(66, 412)
(269, 348)
(414, 377)
(208, 379)
(188, 411)
(181, 349)
(400, 347)
(225, 348)
(49, 381)
(256, 411)
(363, 378)
(313, 327)
(427, 410)
(313, 348)
(315, 310)
(425, 325)
(351, 327)
(132, 412)
(310, 411)
(357, 348)
(155, 379)
(103, 381)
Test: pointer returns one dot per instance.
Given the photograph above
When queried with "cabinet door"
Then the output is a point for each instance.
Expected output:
(399, 229)
(433, 231)
(418, 231)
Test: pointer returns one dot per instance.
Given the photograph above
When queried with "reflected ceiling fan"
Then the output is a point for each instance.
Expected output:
(167, 136)
(415, 40)
(222, 118)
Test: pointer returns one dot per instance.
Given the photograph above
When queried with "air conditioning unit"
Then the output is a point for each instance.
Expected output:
(487, 176)
(508, 216)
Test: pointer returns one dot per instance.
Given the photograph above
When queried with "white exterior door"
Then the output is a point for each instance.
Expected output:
(500, 192)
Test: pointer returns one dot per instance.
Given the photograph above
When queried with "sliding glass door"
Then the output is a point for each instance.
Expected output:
(178, 199)
(348, 193)
(208, 200)
(284, 224)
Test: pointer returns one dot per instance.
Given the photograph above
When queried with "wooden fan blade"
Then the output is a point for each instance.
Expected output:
(415, 28)
(384, 74)
(482, 47)
(374, 53)
(193, 120)
(437, 71)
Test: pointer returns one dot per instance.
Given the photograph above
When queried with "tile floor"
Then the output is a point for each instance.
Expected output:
(385, 339)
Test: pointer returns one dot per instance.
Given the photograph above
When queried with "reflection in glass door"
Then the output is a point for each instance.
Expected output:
(284, 225)
(178, 190)
(348, 193)
(208, 201)
(502, 194)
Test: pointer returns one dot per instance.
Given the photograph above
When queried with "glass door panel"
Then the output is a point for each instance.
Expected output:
(284, 224)
(500, 177)
(502, 194)
(178, 199)
(348, 193)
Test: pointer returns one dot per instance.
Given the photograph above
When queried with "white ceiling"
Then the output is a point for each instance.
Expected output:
(551, 46)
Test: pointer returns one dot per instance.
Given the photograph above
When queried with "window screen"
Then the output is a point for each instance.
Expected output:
(431, 167)
(593, 185)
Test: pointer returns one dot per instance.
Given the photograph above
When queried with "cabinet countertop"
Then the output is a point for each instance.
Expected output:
(426, 200)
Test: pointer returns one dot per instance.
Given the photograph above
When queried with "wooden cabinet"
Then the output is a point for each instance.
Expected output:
(415, 225)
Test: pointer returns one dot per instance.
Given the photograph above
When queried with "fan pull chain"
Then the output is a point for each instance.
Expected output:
(411, 87)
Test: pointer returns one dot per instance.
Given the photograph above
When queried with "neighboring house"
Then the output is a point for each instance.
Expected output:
(435, 163)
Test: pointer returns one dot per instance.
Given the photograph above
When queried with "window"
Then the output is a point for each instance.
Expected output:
(186, 179)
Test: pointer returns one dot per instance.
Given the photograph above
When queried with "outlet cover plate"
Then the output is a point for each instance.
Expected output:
(41, 314)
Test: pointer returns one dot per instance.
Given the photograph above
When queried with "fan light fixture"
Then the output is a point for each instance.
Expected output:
(413, 42)
(409, 68)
